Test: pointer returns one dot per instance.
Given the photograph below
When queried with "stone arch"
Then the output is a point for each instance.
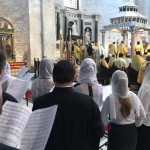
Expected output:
(5, 24)
(6, 37)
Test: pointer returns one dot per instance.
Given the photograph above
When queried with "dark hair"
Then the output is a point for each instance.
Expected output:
(63, 72)
(128, 56)
(2, 60)
(101, 56)
(113, 42)
(126, 107)
(138, 42)
(138, 53)
(120, 55)
(113, 55)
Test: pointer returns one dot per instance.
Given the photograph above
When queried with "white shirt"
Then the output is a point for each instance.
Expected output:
(97, 92)
(132, 118)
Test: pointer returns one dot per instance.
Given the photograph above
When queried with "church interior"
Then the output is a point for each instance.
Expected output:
(108, 44)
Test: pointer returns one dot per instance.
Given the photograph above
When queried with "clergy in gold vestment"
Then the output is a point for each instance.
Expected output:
(96, 52)
(139, 47)
(103, 61)
(83, 51)
(122, 49)
(77, 52)
(138, 62)
(112, 48)
(111, 60)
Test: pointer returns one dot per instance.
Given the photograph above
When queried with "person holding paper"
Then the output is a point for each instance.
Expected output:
(44, 83)
(77, 125)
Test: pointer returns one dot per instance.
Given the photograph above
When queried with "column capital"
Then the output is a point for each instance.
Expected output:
(103, 31)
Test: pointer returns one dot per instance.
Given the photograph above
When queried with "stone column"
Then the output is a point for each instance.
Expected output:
(42, 28)
(81, 26)
(65, 28)
(103, 37)
(49, 36)
(96, 30)
(58, 26)
(132, 30)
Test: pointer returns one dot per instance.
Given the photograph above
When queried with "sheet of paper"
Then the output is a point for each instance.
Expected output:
(28, 76)
(38, 129)
(17, 88)
(22, 72)
(106, 91)
(12, 122)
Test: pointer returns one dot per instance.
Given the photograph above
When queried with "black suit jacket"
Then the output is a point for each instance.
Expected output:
(5, 147)
(77, 124)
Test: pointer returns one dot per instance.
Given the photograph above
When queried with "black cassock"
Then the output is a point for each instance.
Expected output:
(77, 125)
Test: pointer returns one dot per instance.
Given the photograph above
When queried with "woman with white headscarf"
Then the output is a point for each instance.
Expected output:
(44, 83)
(144, 95)
(126, 112)
(88, 83)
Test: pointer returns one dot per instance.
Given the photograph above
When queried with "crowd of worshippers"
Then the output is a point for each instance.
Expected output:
(117, 55)
(95, 51)
(83, 113)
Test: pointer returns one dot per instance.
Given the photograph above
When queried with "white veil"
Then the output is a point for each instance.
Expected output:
(46, 68)
(88, 72)
(145, 87)
(120, 84)
(120, 90)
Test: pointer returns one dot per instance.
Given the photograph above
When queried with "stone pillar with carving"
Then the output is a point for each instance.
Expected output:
(103, 37)
(132, 30)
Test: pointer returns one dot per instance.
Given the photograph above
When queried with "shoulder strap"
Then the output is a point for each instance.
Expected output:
(90, 91)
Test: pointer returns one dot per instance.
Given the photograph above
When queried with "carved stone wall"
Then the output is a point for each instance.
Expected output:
(17, 13)
(34, 30)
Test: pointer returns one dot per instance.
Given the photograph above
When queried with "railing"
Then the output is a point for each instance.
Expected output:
(15, 67)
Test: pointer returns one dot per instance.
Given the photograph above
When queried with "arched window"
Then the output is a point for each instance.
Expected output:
(72, 4)
(6, 37)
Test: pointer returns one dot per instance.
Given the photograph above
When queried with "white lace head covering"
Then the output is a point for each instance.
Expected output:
(145, 87)
(120, 84)
(88, 72)
(120, 90)
(46, 68)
